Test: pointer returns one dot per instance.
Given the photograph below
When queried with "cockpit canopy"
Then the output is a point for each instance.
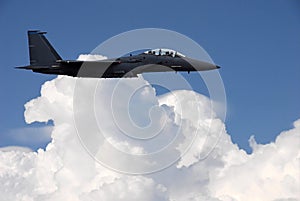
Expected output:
(164, 52)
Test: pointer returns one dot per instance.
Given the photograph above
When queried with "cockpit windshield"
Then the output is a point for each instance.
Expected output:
(164, 52)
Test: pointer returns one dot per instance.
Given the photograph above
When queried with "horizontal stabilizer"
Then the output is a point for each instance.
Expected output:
(23, 67)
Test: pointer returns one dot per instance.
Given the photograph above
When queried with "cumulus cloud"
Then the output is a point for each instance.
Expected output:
(212, 168)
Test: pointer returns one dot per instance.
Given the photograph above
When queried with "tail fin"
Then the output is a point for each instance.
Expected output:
(41, 51)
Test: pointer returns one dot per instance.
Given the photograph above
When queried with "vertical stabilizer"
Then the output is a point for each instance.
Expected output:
(41, 51)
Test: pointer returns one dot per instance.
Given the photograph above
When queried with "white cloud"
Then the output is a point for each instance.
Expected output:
(207, 171)
(271, 172)
(15, 148)
(91, 57)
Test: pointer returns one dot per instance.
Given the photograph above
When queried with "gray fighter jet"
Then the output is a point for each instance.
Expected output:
(44, 59)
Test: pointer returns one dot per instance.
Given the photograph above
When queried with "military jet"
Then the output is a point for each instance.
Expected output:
(44, 59)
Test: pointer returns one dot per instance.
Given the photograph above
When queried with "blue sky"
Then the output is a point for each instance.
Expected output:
(256, 42)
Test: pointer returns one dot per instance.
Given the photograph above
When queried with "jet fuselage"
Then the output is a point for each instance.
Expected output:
(44, 59)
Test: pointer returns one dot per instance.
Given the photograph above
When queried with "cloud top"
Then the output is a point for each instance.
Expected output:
(212, 168)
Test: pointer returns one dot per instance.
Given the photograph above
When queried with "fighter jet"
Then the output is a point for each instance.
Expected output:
(45, 59)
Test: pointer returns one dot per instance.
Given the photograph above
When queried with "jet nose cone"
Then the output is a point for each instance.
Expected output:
(201, 65)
